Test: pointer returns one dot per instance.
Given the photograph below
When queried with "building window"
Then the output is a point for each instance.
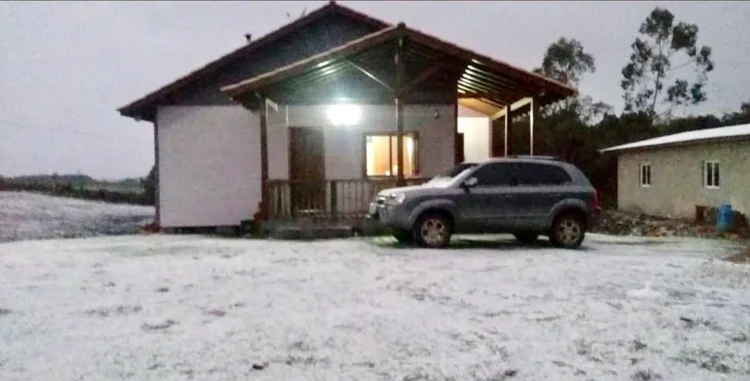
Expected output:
(645, 175)
(381, 152)
(711, 174)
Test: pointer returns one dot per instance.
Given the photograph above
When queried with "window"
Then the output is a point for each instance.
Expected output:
(711, 174)
(497, 174)
(645, 175)
(382, 154)
(541, 174)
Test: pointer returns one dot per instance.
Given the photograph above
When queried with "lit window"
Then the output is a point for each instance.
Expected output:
(382, 155)
(645, 175)
(711, 174)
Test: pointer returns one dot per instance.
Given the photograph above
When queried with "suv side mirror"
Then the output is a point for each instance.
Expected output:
(469, 183)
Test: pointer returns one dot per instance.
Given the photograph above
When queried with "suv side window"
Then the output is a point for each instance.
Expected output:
(542, 174)
(496, 174)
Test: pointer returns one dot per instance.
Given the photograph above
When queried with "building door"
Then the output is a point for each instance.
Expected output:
(306, 170)
(459, 149)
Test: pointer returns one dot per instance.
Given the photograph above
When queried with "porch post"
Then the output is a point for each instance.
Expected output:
(532, 116)
(508, 130)
(264, 197)
(400, 112)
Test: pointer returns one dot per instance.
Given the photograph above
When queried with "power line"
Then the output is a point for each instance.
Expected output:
(68, 131)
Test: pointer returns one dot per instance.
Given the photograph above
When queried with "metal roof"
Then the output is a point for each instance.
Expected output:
(490, 81)
(711, 134)
(140, 107)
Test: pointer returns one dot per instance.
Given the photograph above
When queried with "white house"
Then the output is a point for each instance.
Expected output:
(671, 175)
(307, 119)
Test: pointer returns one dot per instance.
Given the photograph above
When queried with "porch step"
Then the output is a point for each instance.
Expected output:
(321, 229)
(310, 232)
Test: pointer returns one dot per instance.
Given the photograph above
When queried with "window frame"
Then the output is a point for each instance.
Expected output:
(715, 166)
(509, 165)
(413, 134)
(644, 173)
(530, 168)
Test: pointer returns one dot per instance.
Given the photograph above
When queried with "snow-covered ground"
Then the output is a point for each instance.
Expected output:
(25, 216)
(185, 307)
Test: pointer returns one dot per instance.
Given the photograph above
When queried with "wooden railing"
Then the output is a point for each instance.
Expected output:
(350, 198)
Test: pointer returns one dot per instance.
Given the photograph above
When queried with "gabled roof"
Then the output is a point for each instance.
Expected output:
(495, 81)
(712, 134)
(137, 108)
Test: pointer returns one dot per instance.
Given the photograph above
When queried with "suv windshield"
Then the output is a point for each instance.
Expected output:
(451, 173)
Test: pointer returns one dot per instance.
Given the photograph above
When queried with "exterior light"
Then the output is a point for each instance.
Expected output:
(344, 114)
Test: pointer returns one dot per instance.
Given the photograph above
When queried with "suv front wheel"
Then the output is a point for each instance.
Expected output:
(568, 231)
(433, 230)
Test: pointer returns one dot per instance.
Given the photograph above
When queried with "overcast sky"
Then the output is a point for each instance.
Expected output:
(66, 67)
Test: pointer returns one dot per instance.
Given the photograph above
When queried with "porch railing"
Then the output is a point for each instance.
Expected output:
(328, 199)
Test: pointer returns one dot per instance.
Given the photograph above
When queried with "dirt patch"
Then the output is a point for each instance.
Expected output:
(634, 224)
(741, 257)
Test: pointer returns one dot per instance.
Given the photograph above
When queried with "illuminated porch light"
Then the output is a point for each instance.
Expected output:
(344, 114)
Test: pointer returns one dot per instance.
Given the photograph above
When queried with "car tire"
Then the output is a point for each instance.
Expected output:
(526, 238)
(568, 231)
(433, 230)
(403, 235)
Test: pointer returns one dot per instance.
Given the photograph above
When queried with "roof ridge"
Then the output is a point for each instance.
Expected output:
(697, 135)
(269, 37)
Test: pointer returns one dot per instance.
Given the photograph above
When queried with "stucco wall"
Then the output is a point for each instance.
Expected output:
(344, 145)
(209, 168)
(677, 179)
(209, 156)
(476, 129)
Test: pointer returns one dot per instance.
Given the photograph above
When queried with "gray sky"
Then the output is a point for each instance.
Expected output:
(68, 66)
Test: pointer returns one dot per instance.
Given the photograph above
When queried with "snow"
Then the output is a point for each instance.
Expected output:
(682, 137)
(35, 216)
(186, 307)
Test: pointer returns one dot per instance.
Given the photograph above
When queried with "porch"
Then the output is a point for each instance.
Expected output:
(321, 118)
(340, 201)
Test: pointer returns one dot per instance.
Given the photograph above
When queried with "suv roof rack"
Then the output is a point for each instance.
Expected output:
(540, 157)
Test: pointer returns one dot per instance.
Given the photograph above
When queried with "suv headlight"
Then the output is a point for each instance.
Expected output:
(396, 198)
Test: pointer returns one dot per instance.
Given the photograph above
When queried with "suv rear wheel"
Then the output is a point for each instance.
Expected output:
(568, 231)
(433, 230)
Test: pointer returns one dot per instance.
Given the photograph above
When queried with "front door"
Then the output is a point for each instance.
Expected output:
(459, 149)
(306, 170)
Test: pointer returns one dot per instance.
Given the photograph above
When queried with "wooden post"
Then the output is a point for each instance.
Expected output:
(264, 161)
(400, 112)
(508, 131)
(334, 199)
(157, 214)
(532, 116)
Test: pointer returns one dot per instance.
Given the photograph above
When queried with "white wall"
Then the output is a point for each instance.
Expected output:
(677, 179)
(344, 145)
(209, 156)
(476, 129)
(209, 165)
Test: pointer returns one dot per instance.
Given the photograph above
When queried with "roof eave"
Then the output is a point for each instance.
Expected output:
(138, 108)
(617, 149)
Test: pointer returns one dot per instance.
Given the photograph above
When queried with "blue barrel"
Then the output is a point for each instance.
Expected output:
(724, 218)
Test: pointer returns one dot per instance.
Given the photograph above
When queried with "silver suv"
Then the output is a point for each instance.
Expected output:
(526, 196)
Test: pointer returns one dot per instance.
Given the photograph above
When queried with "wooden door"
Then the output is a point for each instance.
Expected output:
(459, 149)
(307, 170)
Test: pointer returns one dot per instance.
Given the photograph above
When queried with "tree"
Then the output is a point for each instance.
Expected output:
(650, 79)
(566, 61)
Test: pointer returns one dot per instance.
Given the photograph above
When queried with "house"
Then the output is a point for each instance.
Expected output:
(671, 175)
(317, 116)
